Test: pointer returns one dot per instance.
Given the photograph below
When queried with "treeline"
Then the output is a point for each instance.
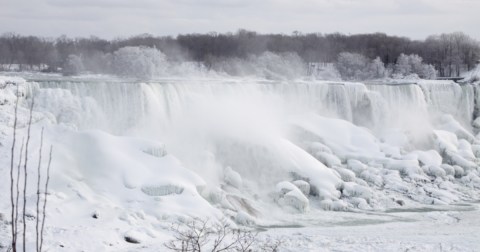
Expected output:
(449, 54)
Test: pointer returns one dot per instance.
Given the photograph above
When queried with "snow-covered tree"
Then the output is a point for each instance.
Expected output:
(274, 66)
(408, 65)
(73, 65)
(138, 62)
(377, 69)
(354, 66)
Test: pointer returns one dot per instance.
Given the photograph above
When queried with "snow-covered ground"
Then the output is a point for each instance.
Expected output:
(321, 166)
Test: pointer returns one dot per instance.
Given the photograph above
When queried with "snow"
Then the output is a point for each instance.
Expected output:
(130, 159)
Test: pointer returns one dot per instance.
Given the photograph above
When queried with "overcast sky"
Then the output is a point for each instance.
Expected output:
(122, 18)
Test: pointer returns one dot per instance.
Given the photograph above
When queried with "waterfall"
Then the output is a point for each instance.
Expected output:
(119, 106)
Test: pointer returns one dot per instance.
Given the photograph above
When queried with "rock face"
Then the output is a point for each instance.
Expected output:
(131, 240)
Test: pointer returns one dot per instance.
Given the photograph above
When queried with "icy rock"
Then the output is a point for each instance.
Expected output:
(233, 178)
(444, 197)
(476, 150)
(445, 141)
(284, 187)
(449, 170)
(456, 159)
(356, 166)
(465, 150)
(304, 186)
(459, 172)
(327, 159)
(360, 203)
(431, 157)
(290, 195)
(476, 122)
(326, 204)
(134, 237)
(394, 182)
(297, 200)
(339, 205)
(244, 219)
(471, 179)
(351, 189)
(372, 178)
(448, 123)
(346, 174)
(162, 190)
(434, 171)
(333, 205)
(406, 167)
(316, 147)
(361, 182)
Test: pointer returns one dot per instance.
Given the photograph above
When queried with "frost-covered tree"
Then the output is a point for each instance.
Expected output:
(412, 65)
(275, 66)
(377, 69)
(354, 66)
(73, 65)
(138, 62)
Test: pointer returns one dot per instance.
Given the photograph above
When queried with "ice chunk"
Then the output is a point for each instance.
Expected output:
(360, 203)
(346, 174)
(295, 199)
(465, 150)
(356, 166)
(406, 167)
(434, 171)
(372, 177)
(351, 189)
(449, 170)
(289, 195)
(316, 147)
(327, 159)
(284, 187)
(304, 186)
(459, 172)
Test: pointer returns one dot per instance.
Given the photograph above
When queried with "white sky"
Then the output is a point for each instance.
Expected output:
(122, 18)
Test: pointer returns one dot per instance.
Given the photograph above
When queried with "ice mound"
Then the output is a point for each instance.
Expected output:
(96, 166)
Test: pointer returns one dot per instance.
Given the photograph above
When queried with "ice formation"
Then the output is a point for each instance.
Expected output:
(249, 150)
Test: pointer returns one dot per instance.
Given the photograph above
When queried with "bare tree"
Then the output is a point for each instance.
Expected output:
(16, 187)
(12, 179)
(199, 235)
